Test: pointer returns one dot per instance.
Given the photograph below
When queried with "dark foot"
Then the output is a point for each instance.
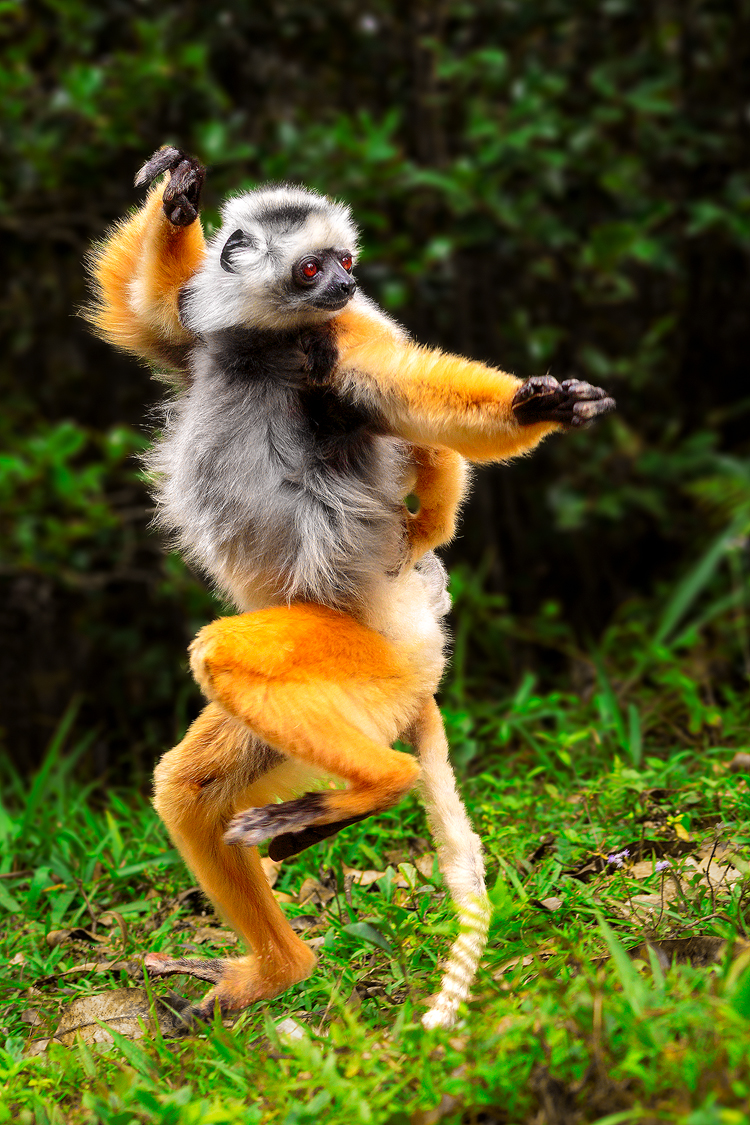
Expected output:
(292, 843)
(571, 403)
(287, 825)
(253, 826)
(182, 195)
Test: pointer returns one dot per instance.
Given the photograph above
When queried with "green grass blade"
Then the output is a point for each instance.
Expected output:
(632, 985)
(39, 787)
(695, 581)
(635, 736)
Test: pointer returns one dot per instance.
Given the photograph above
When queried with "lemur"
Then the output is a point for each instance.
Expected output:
(302, 418)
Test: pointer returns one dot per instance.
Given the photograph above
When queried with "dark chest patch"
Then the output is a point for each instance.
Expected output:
(301, 364)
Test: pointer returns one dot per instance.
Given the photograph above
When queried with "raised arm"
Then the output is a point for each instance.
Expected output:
(139, 269)
(431, 398)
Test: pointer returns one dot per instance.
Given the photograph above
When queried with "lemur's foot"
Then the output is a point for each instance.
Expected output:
(292, 843)
(182, 195)
(252, 826)
(572, 403)
(238, 982)
(290, 826)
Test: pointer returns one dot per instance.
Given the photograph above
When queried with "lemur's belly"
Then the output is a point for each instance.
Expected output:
(409, 611)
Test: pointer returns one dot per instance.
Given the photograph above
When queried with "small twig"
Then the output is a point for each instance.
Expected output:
(89, 907)
(711, 860)
(678, 887)
(585, 803)
(16, 874)
(661, 892)
(707, 918)
(118, 918)
(740, 919)
(331, 998)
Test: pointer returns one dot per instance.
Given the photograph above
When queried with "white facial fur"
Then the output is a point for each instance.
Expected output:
(283, 223)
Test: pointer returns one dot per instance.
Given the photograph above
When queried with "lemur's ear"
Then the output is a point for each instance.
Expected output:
(237, 241)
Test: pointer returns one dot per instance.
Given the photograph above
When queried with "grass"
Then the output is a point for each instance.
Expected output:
(613, 989)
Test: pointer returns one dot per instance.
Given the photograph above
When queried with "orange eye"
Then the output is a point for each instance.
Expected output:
(309, 268)
(347, 262)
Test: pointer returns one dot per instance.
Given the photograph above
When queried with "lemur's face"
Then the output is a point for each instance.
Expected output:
(323, 279)
(286, 262)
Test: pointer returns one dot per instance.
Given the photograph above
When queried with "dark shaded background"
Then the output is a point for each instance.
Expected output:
(547, 185)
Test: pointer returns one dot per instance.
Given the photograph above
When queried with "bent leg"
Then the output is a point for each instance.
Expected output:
(316, 685)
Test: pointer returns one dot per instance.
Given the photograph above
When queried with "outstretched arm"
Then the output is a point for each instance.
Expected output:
(430, 398)
(139, 269)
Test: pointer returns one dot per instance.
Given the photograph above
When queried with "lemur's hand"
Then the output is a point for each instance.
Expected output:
(571, 403)
(182, 195)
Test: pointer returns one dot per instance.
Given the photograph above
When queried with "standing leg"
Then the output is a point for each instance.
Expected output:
(218, 768)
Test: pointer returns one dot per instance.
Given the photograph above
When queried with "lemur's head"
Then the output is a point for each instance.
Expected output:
(282, 259)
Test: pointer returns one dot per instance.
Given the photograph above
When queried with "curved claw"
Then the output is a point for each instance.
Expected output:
(181, 197)
(587, 411)
(163, 160)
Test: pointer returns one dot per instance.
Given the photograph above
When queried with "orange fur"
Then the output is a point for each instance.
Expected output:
(138, 272)
(428, 397)
(199, 786)
(442, 478)
(319, 687)
(313, 683)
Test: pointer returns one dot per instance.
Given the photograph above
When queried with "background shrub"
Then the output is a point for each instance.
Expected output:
(540, 184)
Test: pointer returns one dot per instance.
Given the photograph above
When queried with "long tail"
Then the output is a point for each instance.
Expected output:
(461, 863)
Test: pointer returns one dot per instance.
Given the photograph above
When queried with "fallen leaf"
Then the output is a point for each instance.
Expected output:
(718, 874)
(697, 950)
(364, 878)
(215, 935)
(127, 1011)
(105, 966)
(314, 893)
(31, 1017)
(61, 937)
(425, 864)
(643, 869)
(642, 908)
(110, 916)
(291, 1029)
(303, 922)
(512, 964)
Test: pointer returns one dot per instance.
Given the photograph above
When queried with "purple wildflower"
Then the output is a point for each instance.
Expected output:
(662, 865)
(617, 858)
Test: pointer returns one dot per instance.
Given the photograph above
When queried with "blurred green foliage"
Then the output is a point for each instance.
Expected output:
(540, 184)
